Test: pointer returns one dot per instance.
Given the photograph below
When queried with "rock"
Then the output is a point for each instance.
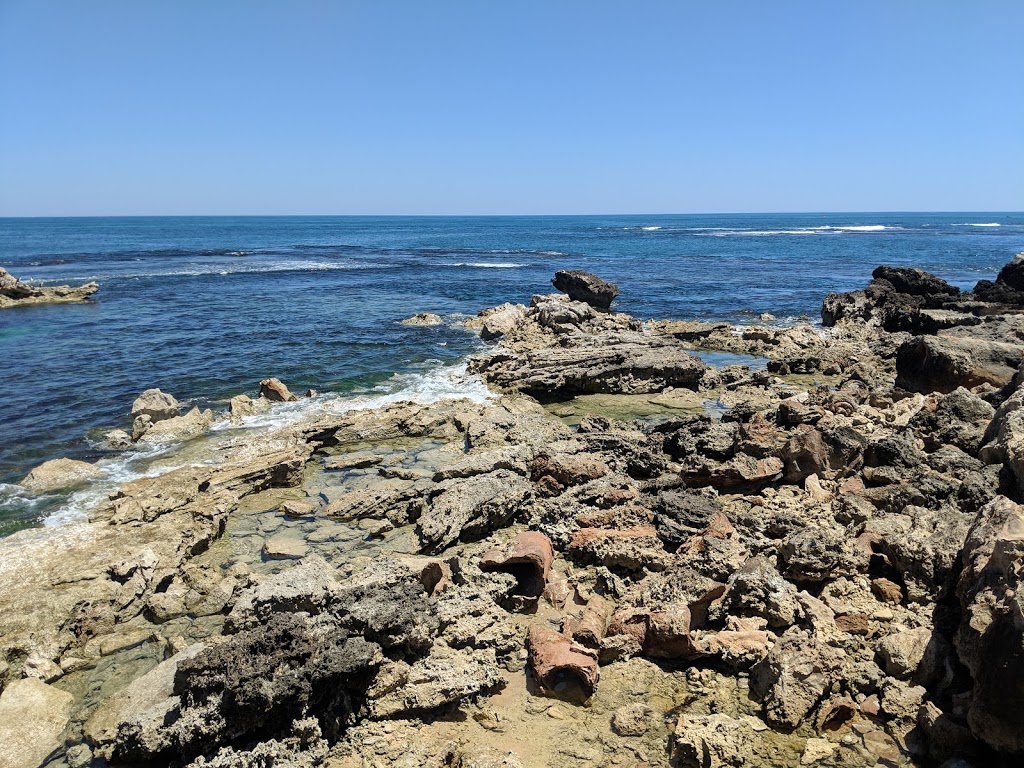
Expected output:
(816, 554)
(794, 677)
(528, 557)
(178, 428)
(470, 508)
(887, 590)
(758, 589)
(514, 458)
(632, 719)
(14, 293)
(139, 696)
(59, 474)
(943, 363)
(567, 470)
(562, 668)
(990, 638)
(156, 405)
(501, 323)
(275, 391)
(716, 741)
(1012, 273)
(816, 750)
(33, 718)
(915, 282)
(241, 406)
(284, 547)
(903, 652)
(740, 474)
(141, 425)
(423, 319)
(443, 678)
(628, 367)
(586, 287)
(117, 440)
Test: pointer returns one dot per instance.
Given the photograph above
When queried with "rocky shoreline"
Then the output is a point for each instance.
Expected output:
(625, 557)
(15, 293)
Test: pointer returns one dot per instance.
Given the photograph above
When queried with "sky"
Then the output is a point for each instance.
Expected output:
(483, 107)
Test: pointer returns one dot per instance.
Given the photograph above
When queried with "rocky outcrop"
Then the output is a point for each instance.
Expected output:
(275, 391)
(586, 287)
(14, 293)
(426, 319)
(59, 474)
(156, 406)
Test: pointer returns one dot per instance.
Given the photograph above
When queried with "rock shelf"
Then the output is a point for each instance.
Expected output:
(818, 563)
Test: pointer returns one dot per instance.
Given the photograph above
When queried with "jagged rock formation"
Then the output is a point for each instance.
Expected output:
(14, 293)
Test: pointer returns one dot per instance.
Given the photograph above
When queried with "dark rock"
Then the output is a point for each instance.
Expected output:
(583, 286)
(915, 282)
(943, 363)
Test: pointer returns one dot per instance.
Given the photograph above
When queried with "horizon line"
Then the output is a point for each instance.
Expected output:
(494, 215)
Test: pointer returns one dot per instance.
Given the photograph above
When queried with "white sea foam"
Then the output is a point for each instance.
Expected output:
(441, 383)
(822, 230)
(242, 268)
(483, 265)
(971, 224)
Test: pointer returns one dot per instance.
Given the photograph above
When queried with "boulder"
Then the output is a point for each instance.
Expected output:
(990, 639)
(1012, 273)
(192, 424)
(500, 323)
(424, 319)
(59, 474)
(717, 741)
(915, 282)
(275, 391)
(586, 287)
(794, 677)
(943, 363)
(156, 405)
(33, 718)
(471, 508)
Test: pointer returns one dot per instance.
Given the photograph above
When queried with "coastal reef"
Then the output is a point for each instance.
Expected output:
(625, 555)
(15, 293)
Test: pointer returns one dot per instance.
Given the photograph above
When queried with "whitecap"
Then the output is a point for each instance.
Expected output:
(971, 224)
(483, 265)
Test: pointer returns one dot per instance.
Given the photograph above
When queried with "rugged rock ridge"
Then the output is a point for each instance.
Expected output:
(827, 572)
(14, 293)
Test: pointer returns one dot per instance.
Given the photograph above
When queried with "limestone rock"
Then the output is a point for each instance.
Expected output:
(943, 363)
(275, 391)
(470, 508)
(14, 293)
(527, 557)
(33, 717)
(156, 405)
(192, 424)
(423, 319)
(58, 474)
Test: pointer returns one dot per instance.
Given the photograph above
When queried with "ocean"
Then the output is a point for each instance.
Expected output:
(206, 307)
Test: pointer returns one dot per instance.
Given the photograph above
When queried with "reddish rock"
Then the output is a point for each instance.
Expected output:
(560, 667)
(854, 623)
(568, 470)
(527, 557)
(887, 591)
(592, 626)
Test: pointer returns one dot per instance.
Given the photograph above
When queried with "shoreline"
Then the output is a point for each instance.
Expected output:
(545, 568)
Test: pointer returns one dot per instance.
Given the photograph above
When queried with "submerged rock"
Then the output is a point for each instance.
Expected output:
(14, 293)
(423, 319)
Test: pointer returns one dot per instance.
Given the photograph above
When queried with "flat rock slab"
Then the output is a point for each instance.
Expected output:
(284, 548)
(33, 716)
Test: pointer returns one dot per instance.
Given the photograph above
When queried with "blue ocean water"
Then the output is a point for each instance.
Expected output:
(205, 307)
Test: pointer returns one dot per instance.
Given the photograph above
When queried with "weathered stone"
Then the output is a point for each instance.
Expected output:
(527, 557)
(275, 391)
(59, 474)
(583, 286)
(156, 405)
(33, 718)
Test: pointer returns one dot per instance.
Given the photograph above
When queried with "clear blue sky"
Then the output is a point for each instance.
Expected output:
(479, 106)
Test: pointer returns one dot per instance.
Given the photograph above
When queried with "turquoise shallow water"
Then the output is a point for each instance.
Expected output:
(206, 307)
